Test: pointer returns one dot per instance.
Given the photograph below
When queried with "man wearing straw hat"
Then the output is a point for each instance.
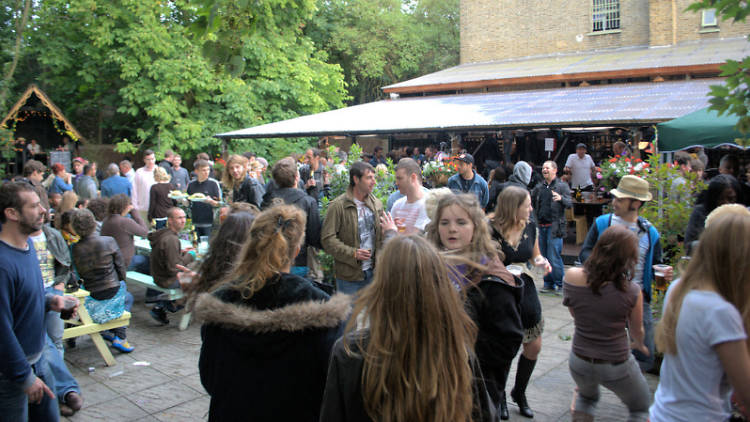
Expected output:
(628, 198)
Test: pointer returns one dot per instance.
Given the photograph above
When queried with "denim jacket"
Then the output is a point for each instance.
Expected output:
(478, 187)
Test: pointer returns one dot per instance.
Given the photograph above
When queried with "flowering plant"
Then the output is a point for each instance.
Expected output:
(438, 172)
(612, 170)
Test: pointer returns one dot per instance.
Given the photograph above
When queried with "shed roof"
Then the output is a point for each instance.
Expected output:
(54, 110)
(694, 57)
(596, 105)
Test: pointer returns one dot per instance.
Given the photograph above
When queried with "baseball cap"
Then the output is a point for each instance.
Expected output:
(466, 158)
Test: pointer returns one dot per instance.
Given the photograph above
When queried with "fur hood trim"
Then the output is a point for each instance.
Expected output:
(293, 317)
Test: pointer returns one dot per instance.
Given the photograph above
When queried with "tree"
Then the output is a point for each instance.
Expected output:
(734, 95)
(173, 74)
(14, 21)
(381, 42)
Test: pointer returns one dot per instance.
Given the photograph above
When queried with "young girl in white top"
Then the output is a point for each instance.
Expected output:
(702, 332)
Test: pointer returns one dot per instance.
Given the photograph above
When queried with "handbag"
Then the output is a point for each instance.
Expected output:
(102, 311)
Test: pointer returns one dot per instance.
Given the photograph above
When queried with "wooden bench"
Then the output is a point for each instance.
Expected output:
(167, 294)
(85, 325)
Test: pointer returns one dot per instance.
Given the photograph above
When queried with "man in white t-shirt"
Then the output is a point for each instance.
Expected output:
(581, 166)
(408, 214)
(142, 182)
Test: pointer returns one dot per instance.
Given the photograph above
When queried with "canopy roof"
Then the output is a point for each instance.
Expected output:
(700, 128)
(701, 57)
(53, 109)
(596, 105)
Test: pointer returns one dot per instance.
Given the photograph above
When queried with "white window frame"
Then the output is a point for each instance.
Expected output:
(605, 15)
(709, 18)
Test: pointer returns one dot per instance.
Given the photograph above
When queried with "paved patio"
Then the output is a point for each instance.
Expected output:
(169, 388)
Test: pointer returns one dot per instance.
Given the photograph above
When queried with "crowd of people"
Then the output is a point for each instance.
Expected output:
(432, 297)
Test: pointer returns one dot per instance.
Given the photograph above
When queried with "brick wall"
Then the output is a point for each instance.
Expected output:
(502, 29)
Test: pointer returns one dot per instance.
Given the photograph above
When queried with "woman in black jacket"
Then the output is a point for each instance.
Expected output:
(413, 362)
(493, 294)
(267, 334)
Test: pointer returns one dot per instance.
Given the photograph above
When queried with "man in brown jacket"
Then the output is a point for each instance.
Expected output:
(166, 254)
(351, 232)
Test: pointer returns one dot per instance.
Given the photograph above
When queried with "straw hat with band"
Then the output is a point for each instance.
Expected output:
(632, 187)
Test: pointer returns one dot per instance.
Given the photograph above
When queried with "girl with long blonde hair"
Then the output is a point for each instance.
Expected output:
(492, 294)
(67, 203)
(516, 234)
(267, 334)
(412, 362)
(702, 332)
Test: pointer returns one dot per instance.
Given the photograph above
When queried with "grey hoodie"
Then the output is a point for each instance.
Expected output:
(522, 171)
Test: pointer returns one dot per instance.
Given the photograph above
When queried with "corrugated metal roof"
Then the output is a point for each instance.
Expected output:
(686, 54)
(597, 105)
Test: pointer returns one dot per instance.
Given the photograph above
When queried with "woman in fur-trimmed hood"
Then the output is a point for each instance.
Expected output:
(267, 334)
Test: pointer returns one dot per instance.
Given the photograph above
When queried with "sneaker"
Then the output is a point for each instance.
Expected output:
(547, 289)
(65, 410)
(74, 400)
(122, 345)
(108, 336)
(159, 315)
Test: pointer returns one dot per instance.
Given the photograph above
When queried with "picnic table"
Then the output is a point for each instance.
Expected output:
(143, 247)
(84, 325)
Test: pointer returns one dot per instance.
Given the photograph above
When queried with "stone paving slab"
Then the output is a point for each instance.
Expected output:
(169, 389)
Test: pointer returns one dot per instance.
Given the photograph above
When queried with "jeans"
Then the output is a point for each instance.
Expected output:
(300, 271)
(55, 326)
(142, 264)
(624, 379)
(202, 231)
(64, 381)
(14, 401)
(551, 248)
(353, 287)
(647, 362)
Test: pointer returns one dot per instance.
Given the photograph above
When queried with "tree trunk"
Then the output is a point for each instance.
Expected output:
(16, 51)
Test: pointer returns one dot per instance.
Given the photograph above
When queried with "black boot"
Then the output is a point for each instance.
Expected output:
(502, 410)
(523, 374)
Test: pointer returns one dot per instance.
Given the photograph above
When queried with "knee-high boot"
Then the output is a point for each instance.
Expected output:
(523, 374)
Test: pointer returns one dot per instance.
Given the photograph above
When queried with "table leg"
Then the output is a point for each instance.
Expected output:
(99, 342)
(103, 349)
(185, 321)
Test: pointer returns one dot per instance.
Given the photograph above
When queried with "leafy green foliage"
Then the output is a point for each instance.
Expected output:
(381, 42)
(173, 74)
(668, 216)
(733, 96)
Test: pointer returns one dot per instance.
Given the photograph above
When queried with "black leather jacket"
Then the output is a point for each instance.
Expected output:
(99, 263)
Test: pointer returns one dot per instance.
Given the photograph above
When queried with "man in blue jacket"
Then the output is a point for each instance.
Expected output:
(24, 374)
(467, 180)
(629, 196)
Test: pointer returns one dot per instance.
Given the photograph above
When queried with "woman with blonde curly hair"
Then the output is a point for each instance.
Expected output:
(493, 295)
(267, 334)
